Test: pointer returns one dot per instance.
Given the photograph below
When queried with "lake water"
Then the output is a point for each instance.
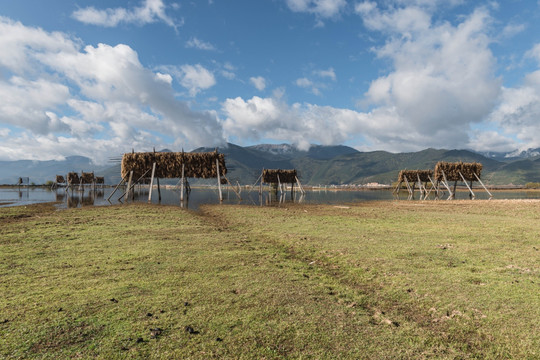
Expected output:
(13, 196)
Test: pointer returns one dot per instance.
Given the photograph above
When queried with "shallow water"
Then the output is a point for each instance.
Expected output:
(13, 196)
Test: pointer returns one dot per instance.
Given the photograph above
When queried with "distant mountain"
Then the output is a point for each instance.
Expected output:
(341, 164)
(40, 172)
(315, 151)
(319, 165)
(512, 155)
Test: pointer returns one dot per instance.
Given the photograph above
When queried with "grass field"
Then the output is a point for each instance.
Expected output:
(406, 280)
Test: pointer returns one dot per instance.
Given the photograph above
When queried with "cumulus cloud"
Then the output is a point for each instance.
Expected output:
(196, 78)
(114, 102)
(24, 103)
(490, 140)
(519, 110)
(443, 78)
(259, 82)
(302, 124)
(149, 12)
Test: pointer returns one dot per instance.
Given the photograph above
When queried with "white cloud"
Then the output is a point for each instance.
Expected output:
(259, 82)
(491, 141)
(4, 132)
(20, 45)
(518, 113)
(534, 53)
(199, 44)
(320, 8)
(151, 11)
(512, 29)
(302, 124)
(405, 20)
(443, 75)
(330, 73)
(25, 103)
(196, 78)
(308, 84)
(228, 74)
(304, 82)
(114, 102)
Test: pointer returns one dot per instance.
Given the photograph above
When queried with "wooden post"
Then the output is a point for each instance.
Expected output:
(219, 181)
(445, 183)
(261, 183)
(158, 190)
(465, 181)
(151, 182)
(131, 187)
(432, 186)
(182, 184)
(233, 188)
(129, 183)
(484, 186)
(300, 186)
(116, 188)
(398, 187)
(422, 192)
(408, 185)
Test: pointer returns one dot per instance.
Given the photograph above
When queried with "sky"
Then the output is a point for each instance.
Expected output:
(100, 78)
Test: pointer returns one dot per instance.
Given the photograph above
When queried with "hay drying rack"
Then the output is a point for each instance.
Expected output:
(443, 174)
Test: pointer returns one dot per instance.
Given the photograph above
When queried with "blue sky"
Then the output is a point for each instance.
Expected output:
(98, 78)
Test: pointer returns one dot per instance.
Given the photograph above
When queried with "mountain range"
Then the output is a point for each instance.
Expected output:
(325, 165)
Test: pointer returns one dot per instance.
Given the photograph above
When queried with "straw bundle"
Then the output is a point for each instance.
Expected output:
(87, 178)
(73, 178)
(100, 180)
(285, 176)
(452, 170)
(169, 165)
(412, 175)
(60, 179)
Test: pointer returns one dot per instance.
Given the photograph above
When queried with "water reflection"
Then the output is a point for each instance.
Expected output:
(171, 195)
(24, 194)
(76, 199)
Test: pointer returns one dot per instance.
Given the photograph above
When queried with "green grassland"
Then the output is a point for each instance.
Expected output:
(394, 280)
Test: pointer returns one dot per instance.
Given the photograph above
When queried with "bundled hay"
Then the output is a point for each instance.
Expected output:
(73, 178)
(100, 180)
(412, 175)
(87, 178)
(60, 179)
(270, 176)
(452, 170)
(169, 165)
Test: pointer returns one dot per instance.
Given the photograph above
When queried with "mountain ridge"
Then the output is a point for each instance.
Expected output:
(318, 165)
